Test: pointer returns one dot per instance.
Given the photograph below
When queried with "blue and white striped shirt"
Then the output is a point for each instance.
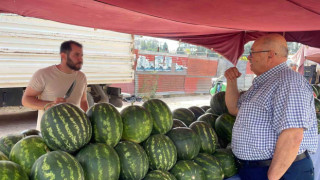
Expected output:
(277, 100)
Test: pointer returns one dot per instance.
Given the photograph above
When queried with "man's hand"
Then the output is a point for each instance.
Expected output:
(57, 101)
(232, 73)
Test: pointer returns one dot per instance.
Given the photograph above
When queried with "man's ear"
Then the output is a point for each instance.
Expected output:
(63, 56)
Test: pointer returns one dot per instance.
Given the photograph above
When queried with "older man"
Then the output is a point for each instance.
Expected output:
(276, 123)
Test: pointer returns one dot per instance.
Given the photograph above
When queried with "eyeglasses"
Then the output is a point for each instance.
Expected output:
(251, 52)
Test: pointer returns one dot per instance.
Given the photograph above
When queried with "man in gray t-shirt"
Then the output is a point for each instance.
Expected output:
(48, 86)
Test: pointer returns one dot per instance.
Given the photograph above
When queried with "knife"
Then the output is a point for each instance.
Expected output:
(68, 93)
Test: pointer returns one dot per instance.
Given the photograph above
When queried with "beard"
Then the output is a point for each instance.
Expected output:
(72, 65)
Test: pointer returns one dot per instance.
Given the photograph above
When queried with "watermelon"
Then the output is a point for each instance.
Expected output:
(218, 104)
(159, 175)
(318, 120)
(161, 151)
(209, 118)
(56, 165)
(209, 111)
(315, 90)
(106, 124)
(197, 111)
(186, 141)
(178, 123)
(161, 115)
(11, 171)
(30, 132)
(210, 165)
(185, 115)
(224, 125)
(7, 142)
(205, 108)
(317, 104)
(226, 161)
(134, 161)
(208, 137)
(26, 151)
(137, 123)
(65, 127)
(99, 161)
(3, 156)
(188, 170)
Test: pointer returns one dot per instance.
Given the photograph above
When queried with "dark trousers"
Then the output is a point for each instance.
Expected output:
(299, 170)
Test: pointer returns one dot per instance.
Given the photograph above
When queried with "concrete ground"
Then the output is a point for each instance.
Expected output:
(17, 119)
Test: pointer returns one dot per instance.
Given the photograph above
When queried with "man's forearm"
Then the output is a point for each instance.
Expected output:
(232, 96)
(286, 151)
(34, 103)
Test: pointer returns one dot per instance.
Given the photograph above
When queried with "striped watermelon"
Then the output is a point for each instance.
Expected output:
(133, 160)
(186, 141)
(178, 123)
(185, 115)
(210, 165)
(159, 175)
(161, 151)
(3, 156)
(317, 104)
(11, 171)
(318, 120)
(210, 111)
(106, 124)
(137, 123)
(205, 108)
(209, 118)
(26, 151)
(188, 170)
(208, 137)
(65, 127)
(226, 161)
(7, 142)
(30, 132)
(224, 125)
(99, 161)
(197, 111)
(218, 103)
(161, 114)
(57, 165)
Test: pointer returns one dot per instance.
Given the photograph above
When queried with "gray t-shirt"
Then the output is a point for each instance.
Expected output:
(54, 83)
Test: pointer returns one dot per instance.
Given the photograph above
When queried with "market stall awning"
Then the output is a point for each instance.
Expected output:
(306, 53)
(222, 25)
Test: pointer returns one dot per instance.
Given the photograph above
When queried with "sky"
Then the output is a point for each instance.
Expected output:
(172, 45)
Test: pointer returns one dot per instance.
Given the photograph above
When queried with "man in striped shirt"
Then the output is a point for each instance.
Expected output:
(276, 123)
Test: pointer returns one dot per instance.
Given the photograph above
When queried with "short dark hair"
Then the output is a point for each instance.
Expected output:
(66, 46)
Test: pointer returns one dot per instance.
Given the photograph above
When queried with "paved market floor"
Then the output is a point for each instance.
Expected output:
(17, 119)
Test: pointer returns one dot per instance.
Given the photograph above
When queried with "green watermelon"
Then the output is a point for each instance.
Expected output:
(218, 103)
(185, 115)
(3, 156)
(161, 151)
(26, 151)
(30, 132)
(317, 104)
(161, 114)
(7, 142)
(197, 111)
(224, 125)
(99, 161)
(65, 127)
(133, 160)
(209, 118)
(137, 123)
(315, 90)
(318, 120)
(186, 141)
(159, 175)
(106, 124)
(210, 166)
(188, 170)
(57, 165)
(205, 108)
(11, 171)
(178, 123)
(209, 111)
(208, 137)
(226, 161)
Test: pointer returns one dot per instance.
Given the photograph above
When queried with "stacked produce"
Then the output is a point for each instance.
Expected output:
(316, 94)
(141, 142)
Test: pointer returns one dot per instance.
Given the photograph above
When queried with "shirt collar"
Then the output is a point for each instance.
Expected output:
(269, 74)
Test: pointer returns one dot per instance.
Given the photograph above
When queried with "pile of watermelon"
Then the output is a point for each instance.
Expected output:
(141, 142)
